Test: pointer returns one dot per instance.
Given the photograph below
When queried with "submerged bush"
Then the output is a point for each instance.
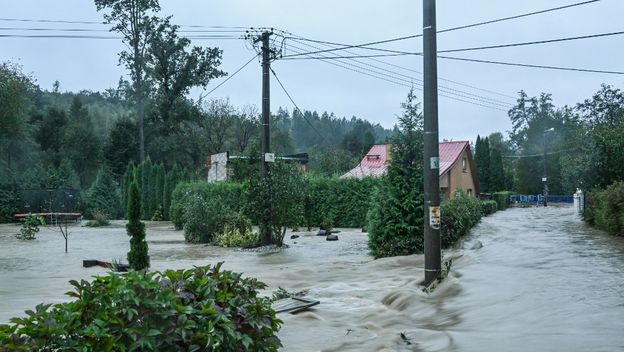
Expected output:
(30, 227)
(200, 309)
(100, 218)
(231, 195)
(458, 215)
(237, 232)
(605, 209)
(207, 218)
(503, 199)
(488, 207)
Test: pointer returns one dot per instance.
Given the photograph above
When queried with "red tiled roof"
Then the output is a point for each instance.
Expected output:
(375, 162)
(449, 153)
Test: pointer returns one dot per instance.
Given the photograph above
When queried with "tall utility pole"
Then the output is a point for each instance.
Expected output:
(431, 167)
(545, 178)
(266, 101)
(265, 228)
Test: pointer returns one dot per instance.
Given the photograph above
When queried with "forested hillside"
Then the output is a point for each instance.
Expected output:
(53, 139)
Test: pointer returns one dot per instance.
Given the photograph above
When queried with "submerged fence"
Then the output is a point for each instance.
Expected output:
(539, 199)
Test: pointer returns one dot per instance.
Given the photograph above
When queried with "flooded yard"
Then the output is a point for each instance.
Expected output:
(542, 281)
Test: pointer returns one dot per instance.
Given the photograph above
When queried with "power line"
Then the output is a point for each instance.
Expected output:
(420, 73)
(540, 154)
(533, 42)
(365, 45)
(498, 46)
(389, 79)
(550, 67)
(228, 78)
(297, 107)
(410, 80)
(30, 29)
(104, 23)
(531, 66)
(76, 36)
(518, 16)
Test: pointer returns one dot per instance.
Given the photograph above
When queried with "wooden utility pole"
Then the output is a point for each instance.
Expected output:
(266, 101)
(431, 167)
(265, 228)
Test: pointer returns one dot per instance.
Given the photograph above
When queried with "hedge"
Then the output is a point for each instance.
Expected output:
(604, 209)
(331, 202)
(200, 309)
(458, 216)
(339, 202)
(488, 207)
(502, 199)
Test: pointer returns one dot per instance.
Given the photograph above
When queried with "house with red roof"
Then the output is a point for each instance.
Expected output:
(457, 167)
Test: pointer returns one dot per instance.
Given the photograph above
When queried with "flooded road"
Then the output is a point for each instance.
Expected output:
(543, 281)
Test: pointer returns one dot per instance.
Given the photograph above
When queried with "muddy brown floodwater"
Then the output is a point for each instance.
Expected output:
(543, 281)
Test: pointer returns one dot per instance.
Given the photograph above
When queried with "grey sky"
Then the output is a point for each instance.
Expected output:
(315, 85)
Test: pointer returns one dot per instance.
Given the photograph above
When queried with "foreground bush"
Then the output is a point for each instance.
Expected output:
(201, 309)
(605, 209)
(458, 215)
(502, 199)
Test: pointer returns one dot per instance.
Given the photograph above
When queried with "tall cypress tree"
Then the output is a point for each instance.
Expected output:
(126, 180)
(146, 168)
(482, 159)
(167, 189)
(395, 222)
(152, 200)
(138, 259)
(497, 173)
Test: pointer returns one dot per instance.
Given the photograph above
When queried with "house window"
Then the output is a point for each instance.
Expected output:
(464, 165)
(469, 191)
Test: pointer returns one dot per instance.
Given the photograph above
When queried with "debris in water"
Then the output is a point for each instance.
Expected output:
(405, 339)
(293, 304)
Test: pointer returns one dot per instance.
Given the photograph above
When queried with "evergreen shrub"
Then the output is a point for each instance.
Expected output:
(8, 205)
(200, 309)
(138, 259)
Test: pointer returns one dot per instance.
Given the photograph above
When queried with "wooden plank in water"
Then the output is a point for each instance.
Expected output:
(293, 304)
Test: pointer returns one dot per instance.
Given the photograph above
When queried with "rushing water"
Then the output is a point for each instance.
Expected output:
(543, 281)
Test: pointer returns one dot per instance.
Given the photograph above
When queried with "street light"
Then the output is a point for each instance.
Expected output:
(545, 178)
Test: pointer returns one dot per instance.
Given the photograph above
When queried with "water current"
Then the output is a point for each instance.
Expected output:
(542, 281)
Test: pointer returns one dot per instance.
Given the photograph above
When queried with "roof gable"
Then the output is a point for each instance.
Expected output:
(375, 162)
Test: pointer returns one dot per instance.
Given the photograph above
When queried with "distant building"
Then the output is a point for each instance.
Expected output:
(219, 166)
(457, 167)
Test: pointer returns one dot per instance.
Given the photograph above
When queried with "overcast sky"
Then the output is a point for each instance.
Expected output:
(316, 85)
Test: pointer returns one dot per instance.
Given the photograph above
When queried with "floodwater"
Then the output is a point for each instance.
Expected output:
(543, 281)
